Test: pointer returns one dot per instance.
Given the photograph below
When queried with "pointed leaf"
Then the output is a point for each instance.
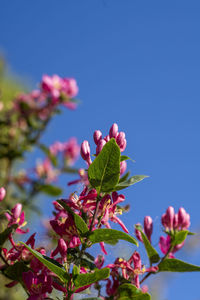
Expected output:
(110, 235)
(79, 222)
(89, 278)
(104, 172)
(179, 237)
(129, 291)
(151, 251)
(132, 180)
(176, 265)
(63, 275)
(123, 178)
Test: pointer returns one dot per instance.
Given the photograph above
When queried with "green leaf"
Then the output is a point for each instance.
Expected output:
(4, 235)
(50, 190)
(179, 237)
(129, 291)
(123, 178)
(132, 180)
(15, 271)
(89, 278)
(110, 235)
(124, 157)
(79, 222)
(176, 265)
(76, 270)
(151, 251)
(63, 275)
(104, 172)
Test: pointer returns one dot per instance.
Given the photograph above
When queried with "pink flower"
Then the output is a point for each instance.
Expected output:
(148, 227)
(37, 285)
(2, 193)
(17, 217)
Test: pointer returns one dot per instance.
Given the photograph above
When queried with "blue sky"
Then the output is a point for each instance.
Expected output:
(137, 63)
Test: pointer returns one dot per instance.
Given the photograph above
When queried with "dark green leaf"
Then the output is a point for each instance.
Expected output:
(15, 271)
(179, 237)
(151, 251)
(132, 180)
(104, 172)
(63, 275)
(89, 278)
(79, 222)
(176, 265)
(50, 190)
(129, 291)
(108, 235)
(4, 235)
(123, 178)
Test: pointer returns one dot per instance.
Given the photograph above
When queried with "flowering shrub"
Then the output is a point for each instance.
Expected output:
(81, 220)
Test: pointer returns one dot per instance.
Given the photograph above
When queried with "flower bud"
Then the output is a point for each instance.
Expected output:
(62, 247)
(113, 131)
(121, 141)
(85, 152)
(100, 146)
(123, 166)
(148, 227)
(170, 217)
(97, 136)
(2, 193)
(137, 260)
(183, 218)
(138, 233)
(16, 211)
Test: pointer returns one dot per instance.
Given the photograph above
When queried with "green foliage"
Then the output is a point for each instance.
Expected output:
(129, 291)
(179, 237)
(110, 236)
(104, 172)
(89, 278)
(176, 265)
(128, 182)
(151, 251)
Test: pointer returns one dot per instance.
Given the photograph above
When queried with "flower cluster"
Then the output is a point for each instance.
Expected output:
(83, 219)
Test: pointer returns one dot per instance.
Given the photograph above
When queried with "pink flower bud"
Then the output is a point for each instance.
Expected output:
(62, 247)
(113, 131)
(138, 233)
(148, 227)
(85, 152)
(164, 220)
(123, 166)
(107, 138)
(97, 136)
(100, 146)
(170, 217)
(121, 141)
(16, 211)
(2, 193)
(183, 218)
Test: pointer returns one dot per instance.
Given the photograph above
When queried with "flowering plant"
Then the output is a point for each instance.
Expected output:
(83, 219)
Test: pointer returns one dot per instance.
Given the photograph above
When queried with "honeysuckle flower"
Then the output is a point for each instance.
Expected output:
(37, 285)
(17, 217)
(172, 221)
(45, 170)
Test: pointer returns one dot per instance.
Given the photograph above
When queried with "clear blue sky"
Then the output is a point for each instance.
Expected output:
(137, 63)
